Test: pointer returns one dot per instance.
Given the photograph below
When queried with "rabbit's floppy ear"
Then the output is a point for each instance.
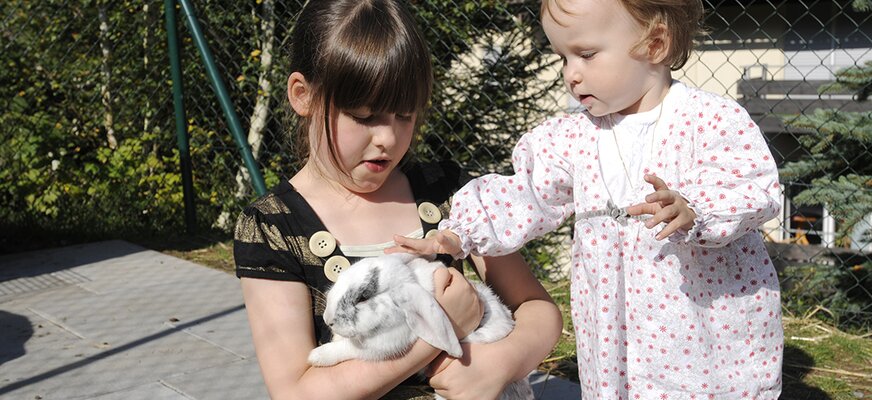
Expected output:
(427, 319)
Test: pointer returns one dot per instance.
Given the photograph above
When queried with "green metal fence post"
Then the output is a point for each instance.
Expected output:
(223, 97)
(181, 118)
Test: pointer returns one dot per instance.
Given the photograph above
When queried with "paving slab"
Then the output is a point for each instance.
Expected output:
(150, 391)
(113, 320)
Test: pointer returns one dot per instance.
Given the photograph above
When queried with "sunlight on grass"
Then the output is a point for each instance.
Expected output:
(820, 356)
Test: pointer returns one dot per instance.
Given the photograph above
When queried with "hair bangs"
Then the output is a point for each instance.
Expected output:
(377, 67)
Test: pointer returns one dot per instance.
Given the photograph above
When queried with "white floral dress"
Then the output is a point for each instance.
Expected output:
(697, 316)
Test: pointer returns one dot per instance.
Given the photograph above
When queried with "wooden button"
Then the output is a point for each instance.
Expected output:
(322, 244)
(334, 266)
(429, 212)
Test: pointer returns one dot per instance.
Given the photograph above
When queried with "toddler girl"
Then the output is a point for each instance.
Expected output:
(673, 294)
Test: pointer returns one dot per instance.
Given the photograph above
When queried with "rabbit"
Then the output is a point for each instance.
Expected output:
(380, 305)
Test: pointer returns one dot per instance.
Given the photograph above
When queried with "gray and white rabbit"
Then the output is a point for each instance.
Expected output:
(380, 305)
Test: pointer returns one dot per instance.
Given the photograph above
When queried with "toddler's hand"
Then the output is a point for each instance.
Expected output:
(459, 300)
(443, 242)
(665, 206)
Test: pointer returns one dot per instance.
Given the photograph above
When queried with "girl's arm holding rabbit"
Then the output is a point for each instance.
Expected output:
(280, 315)
(538, 325)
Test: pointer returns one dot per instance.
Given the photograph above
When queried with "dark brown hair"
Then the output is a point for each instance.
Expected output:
(359, 53)
(682, 19)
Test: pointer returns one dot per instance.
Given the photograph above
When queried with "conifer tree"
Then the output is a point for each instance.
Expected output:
(839, 165)
(838, 171)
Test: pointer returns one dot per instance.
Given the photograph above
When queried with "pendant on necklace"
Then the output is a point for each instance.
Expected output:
(618, 214)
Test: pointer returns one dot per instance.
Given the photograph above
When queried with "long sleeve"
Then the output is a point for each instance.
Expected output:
(733, 182)
(497, 214)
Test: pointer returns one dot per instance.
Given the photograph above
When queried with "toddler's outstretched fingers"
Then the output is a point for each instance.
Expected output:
(448, 243)
(443, 242)
(643, 208)
(668, 230)
(663, 197)
(656, 182)
(413, 246)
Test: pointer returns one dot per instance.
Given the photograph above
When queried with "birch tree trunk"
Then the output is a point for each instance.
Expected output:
(149, 22)
(106, 71)
(260, 115)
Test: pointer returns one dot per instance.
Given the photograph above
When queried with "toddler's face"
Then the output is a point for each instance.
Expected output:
(594, 39)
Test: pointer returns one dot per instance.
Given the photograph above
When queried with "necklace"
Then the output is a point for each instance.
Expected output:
(620, 214)
(621, 157)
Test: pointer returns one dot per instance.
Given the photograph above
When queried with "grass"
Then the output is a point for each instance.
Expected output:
(820, 362)
(824, 362)
(209, 249)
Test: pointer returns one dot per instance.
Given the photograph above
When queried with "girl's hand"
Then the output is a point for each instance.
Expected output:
(471, 376)
(459, 300)
(443, 242)
(665, 206)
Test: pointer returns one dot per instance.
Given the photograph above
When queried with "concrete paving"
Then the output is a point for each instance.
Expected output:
(113, 320)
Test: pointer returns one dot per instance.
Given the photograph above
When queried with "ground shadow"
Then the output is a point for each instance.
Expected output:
(15, 330)
(547, 386)
(27, 238)
(30, 235)
(44, 257)
(797, 364)
(182, 242)
(46, 261)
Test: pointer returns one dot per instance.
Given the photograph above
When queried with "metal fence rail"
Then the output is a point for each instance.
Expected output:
(86, 117)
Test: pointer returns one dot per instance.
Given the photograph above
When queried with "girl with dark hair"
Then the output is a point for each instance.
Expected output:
(360, 82)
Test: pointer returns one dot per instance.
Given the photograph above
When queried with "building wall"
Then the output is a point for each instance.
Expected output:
(718, 71)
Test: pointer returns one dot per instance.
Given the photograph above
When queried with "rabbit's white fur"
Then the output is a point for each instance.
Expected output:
(381, 305)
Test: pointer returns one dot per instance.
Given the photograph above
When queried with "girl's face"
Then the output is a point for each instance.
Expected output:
(594, 39)
(367, 145)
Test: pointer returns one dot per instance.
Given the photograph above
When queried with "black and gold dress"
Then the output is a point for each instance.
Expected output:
(280, 237)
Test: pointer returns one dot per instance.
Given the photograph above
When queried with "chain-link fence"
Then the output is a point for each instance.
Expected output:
(89, 146)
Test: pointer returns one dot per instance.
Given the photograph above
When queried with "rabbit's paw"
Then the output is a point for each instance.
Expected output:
(326, 355)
